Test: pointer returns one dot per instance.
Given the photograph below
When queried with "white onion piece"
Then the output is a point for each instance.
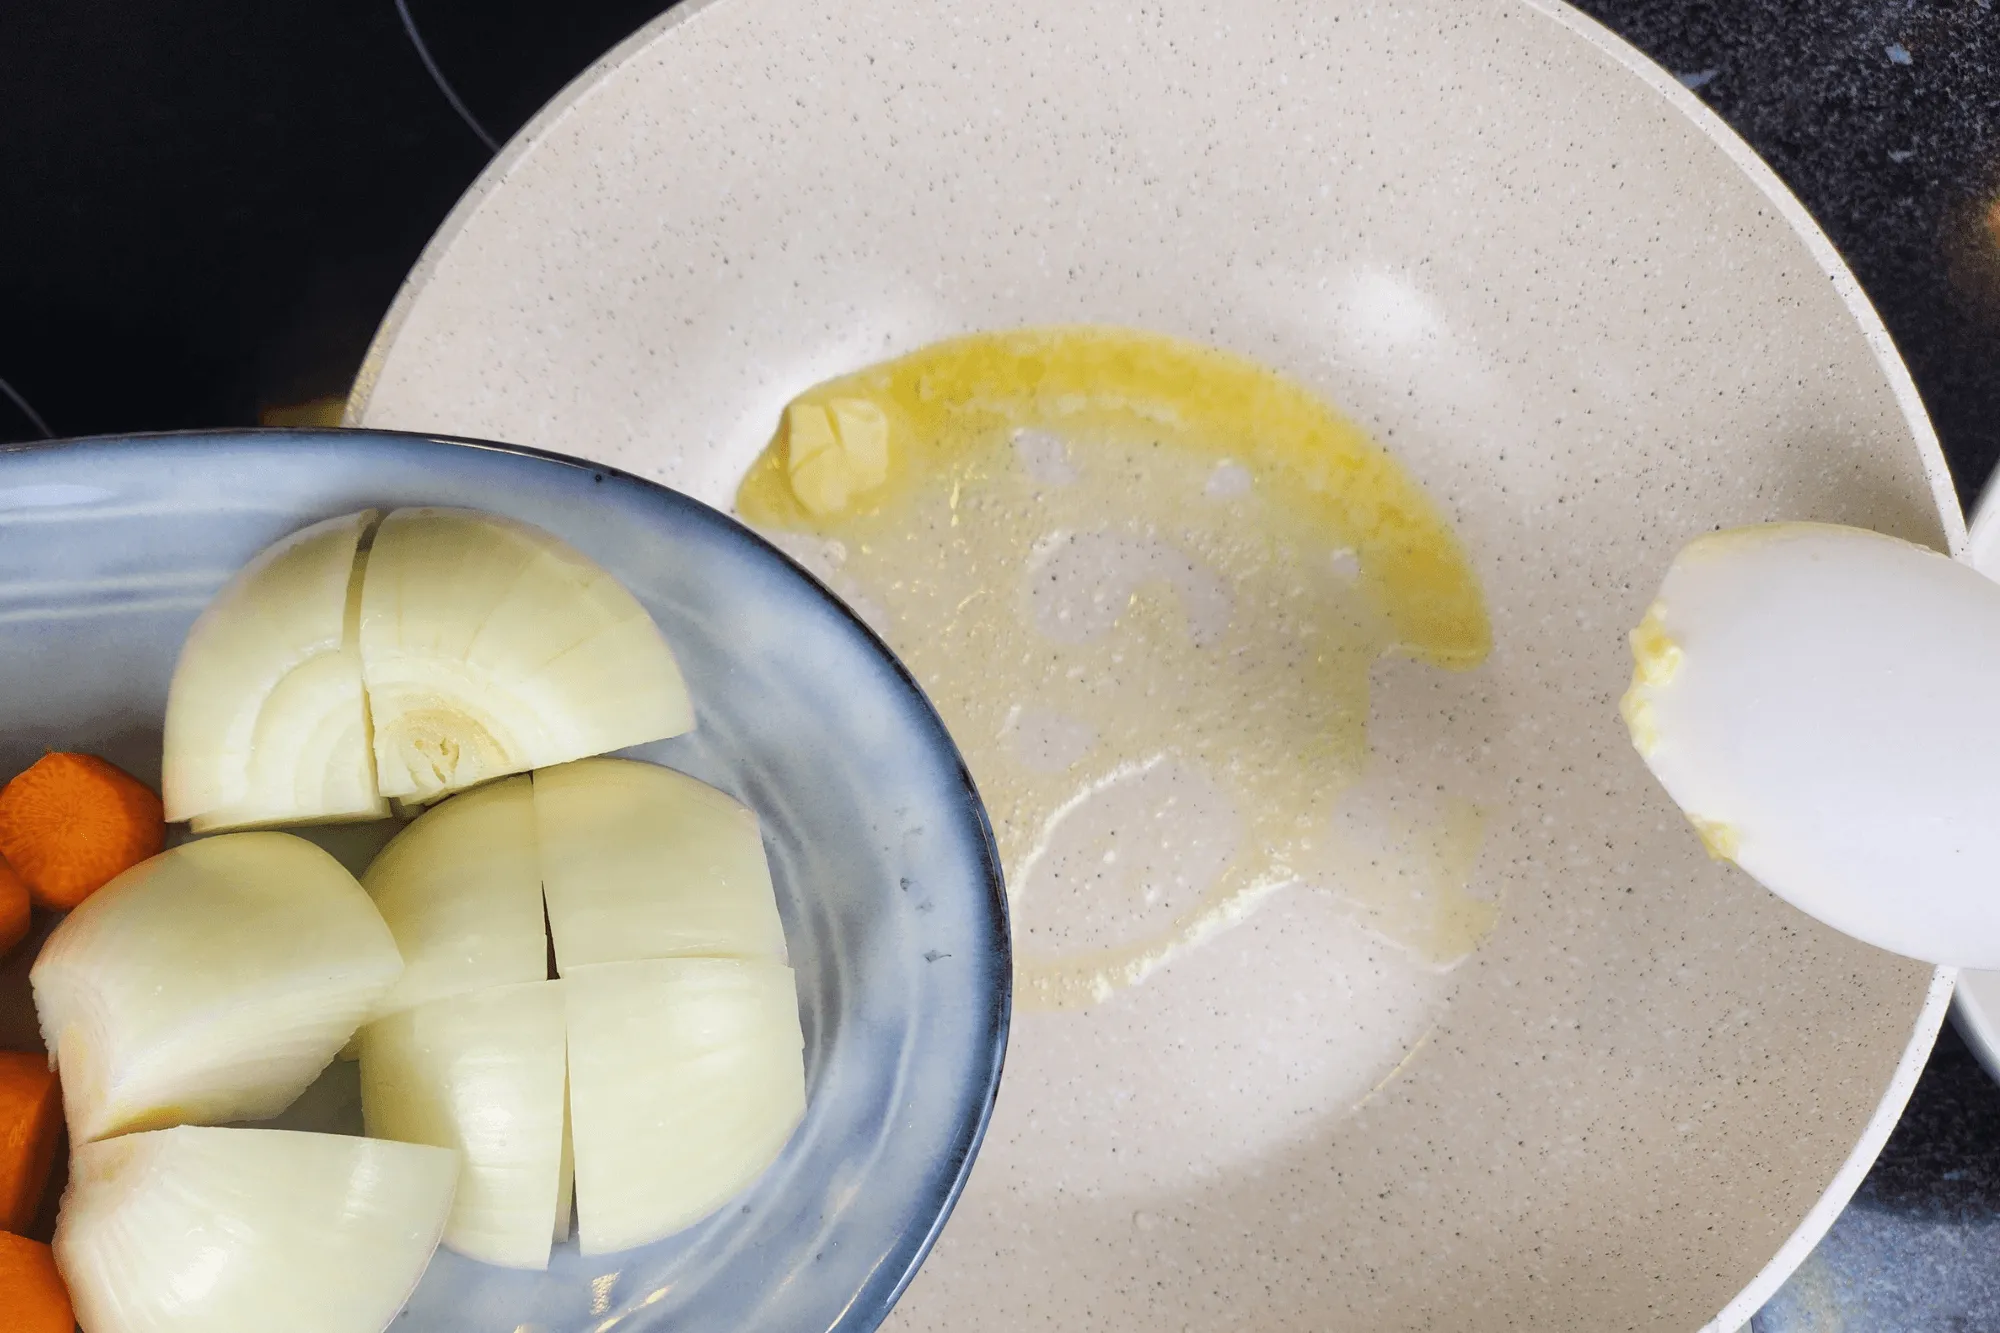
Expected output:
(481, 1074)
(248, 1231)
(686, 1078)
(265, 719)
(639, 861)
(461, 890)
(489, 647)
(210, 983)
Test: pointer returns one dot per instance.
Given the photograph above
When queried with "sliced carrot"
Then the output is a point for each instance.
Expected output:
(13, 907)
(33, 1298)
(30, 1125)
(73, 822)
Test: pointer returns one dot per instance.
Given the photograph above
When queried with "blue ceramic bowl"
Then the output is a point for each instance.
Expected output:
(886, 872)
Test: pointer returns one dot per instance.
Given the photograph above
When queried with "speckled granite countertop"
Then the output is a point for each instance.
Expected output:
(204, 209)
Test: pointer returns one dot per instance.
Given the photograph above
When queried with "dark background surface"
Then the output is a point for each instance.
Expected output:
(206, 207)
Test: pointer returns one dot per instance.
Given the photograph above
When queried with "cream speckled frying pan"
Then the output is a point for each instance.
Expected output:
(1578, 310)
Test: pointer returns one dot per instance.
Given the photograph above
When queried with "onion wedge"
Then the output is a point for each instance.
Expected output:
(197, 1230)
(461, 890)
(482, 1074)
(210, 983)
(640, 861)
(687, 1077)
(265, 718)
(489, 647)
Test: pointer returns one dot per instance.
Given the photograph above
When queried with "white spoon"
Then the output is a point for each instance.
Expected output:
(1820, 701)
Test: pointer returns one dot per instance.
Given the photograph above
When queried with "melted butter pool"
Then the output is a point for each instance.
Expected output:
(1146, 585)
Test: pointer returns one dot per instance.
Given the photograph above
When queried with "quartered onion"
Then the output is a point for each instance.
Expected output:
(211, 983)
(198, 1230)
(489, 647)
(482, 1074)
(687, 1077)
(640, 861)
(265, 722)
(461, 890)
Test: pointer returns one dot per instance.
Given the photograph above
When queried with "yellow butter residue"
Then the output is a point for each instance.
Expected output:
(1655, 656)
(1722, 840)
(1104, 551)
(1656, 660)
(1641, 722)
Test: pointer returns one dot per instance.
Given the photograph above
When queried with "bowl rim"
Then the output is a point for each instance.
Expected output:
(910, 1252)
(1677, 98)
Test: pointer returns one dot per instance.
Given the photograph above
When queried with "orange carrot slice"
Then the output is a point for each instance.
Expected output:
(33, 1298)
(13, 907)
(30, 1124)
(73, 822)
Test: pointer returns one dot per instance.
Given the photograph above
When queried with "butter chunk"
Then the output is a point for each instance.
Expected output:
(835, 451)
